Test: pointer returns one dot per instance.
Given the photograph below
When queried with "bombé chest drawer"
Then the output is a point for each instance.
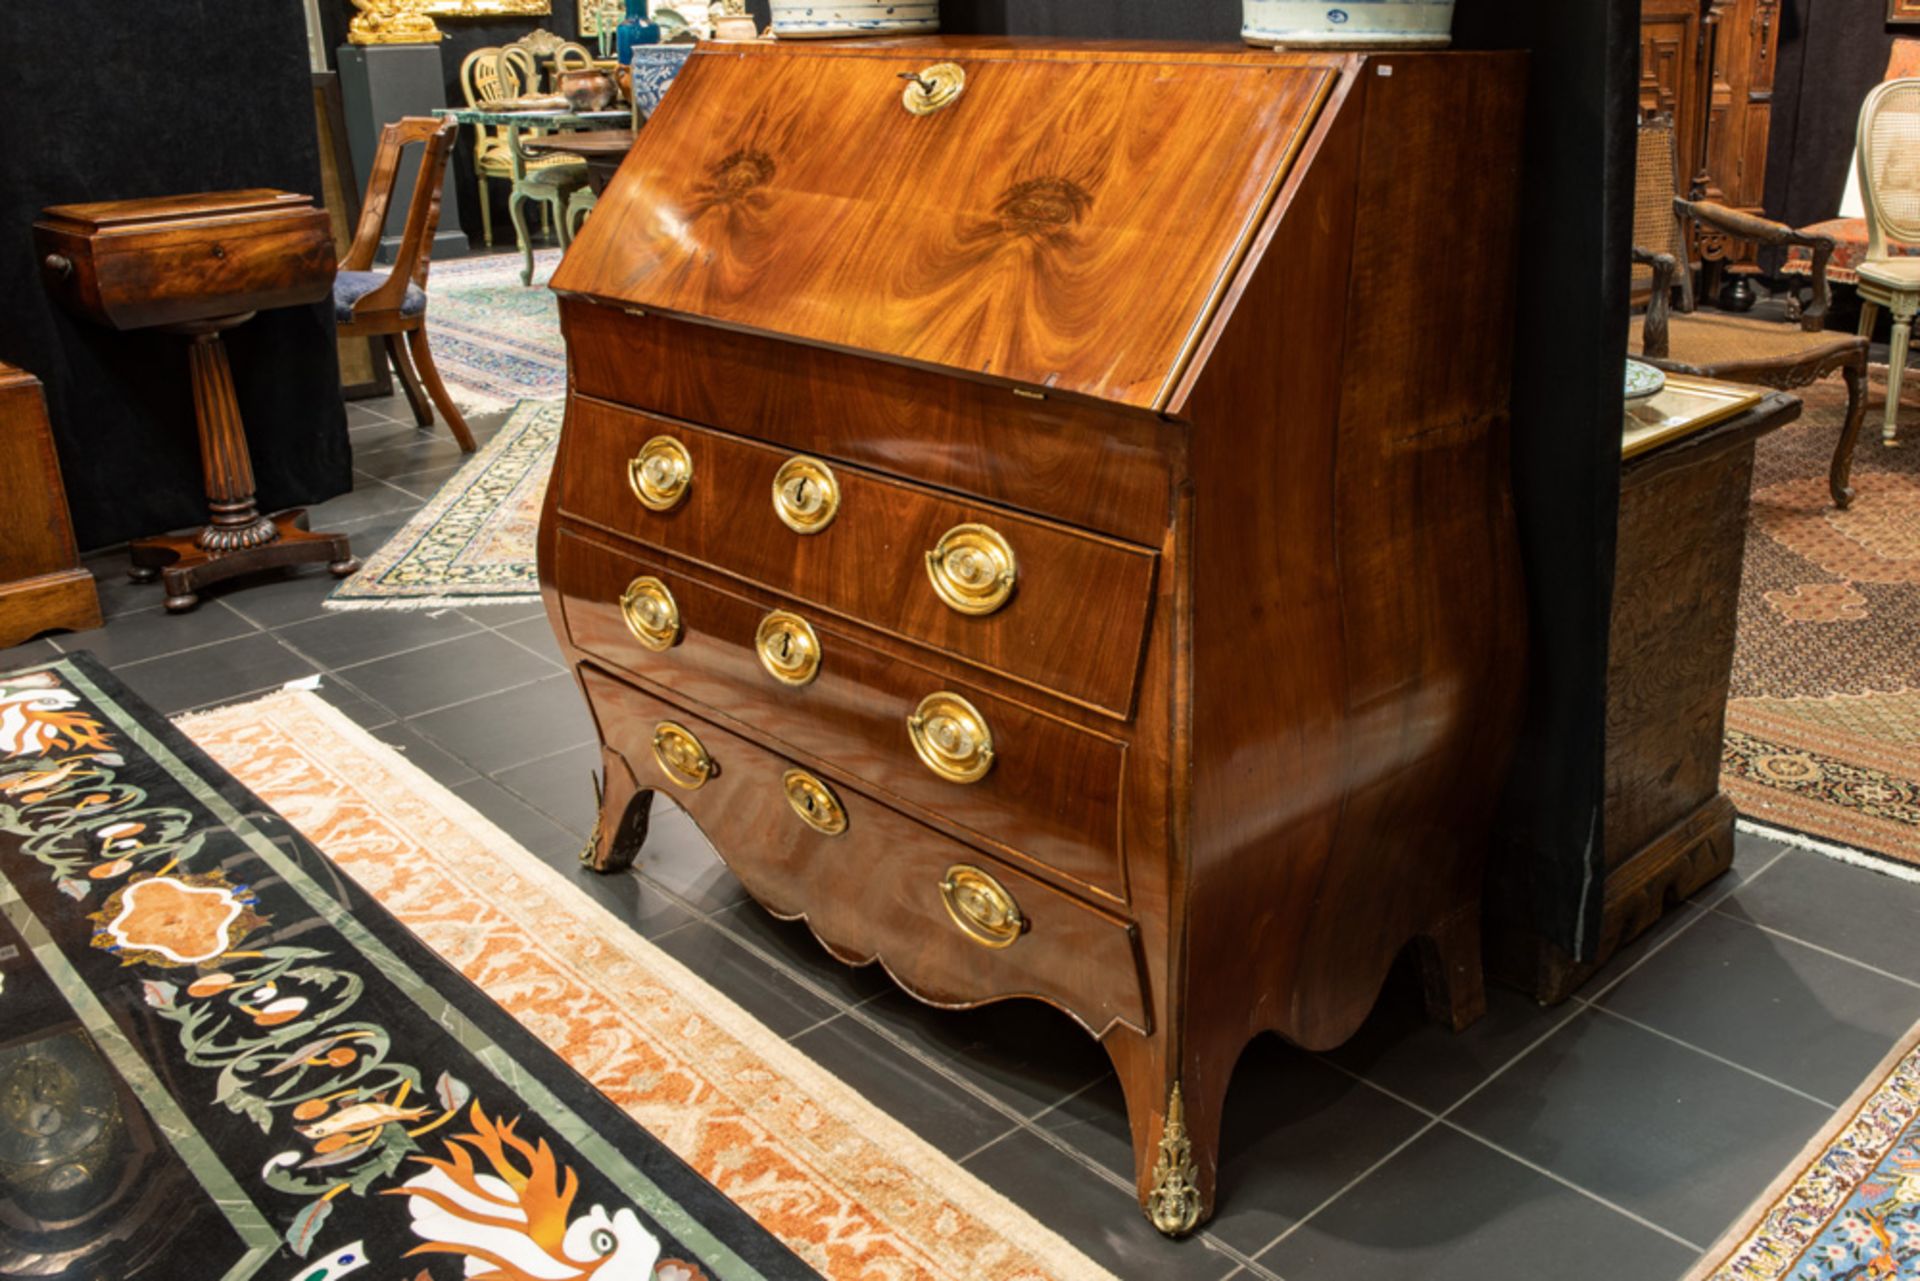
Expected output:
(1043, 604)
(1045, 790)
(953, 925)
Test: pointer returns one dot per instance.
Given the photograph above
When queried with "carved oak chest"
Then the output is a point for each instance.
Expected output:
(1043, 511)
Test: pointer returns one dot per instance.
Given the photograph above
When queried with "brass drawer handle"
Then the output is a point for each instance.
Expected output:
(932, 88)
(660, 474)
(814, 802)
(651, 613)
(981, 906)
(788, 648)
(951, 737)
(682, 757)
(806, 497)
(973, 569)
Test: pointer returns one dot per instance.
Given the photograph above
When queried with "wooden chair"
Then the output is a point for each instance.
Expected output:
(390, 303)
(1889, 168)
(1742, 349)
(482, 81)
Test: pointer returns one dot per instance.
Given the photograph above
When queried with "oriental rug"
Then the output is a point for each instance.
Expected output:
(846, 1187)
(1848, 1208)
(1823, 727)
(495, 340)
(220, 1058)
(473, 543)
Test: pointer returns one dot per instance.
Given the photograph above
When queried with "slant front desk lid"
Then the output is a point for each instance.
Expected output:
(1070, 219)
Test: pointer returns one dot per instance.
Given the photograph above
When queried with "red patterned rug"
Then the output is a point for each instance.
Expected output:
(1823, 727)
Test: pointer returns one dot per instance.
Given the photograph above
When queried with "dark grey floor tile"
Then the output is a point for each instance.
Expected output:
(910, 1091)
(1672, 1135)
(560, 786)
(1450, 1209)
(1855, 911)
(440, 765)
(533, 830)
(423, 680)
(376, 412)
(341, 638)
(274, 600)
(1798, 1015)
(793, 947)
(1026, 1054)
(363, 501)
(425, 449)
(677, 856)
(426, 482)
(152, 633)
(370, 435)
(515, 727)
(33, 651)
(505, 614)
(758, 988)
(118, 593)
(1103, 1220)
(221, 673)
(364, 711)
(1400, 1049)
(1752, 855)
(535, 633)
(1662, 933)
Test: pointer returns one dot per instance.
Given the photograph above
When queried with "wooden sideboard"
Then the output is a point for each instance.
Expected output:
(42, 584)
(1018, 498)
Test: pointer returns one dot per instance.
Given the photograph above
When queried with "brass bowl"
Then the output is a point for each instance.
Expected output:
(587, 89)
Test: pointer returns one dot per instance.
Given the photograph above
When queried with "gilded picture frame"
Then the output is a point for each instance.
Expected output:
(488, 8)
(1903, 12)
(596, 16)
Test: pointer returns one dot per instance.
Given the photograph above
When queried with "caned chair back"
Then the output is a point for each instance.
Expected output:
(481, 79)
(1656, 224)
(1889, 147)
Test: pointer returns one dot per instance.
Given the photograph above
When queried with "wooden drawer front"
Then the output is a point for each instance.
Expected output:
(1074, 625)
(1052, 795)
(874, 890)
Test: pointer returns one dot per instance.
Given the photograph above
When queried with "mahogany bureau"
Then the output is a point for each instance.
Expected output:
(1043, 511)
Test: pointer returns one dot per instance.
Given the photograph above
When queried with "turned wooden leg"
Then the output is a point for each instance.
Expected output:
(1897, 367)
(486, 211)
(423, 359)
(1840, 472)
(517, 210)
(416, 395)
(1450, 969)
(233, 519)
(1869, 317)
(626, 808)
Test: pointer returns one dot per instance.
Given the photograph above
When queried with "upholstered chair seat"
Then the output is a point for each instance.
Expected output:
(349, 287)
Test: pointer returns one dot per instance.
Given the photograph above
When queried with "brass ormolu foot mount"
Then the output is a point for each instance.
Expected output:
(237, 539)
(1173, 1204)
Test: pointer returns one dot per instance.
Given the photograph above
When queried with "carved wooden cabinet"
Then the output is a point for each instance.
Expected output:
(42, 583)
(1025, 502)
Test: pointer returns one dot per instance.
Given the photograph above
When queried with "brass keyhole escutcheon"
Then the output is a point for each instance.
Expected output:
(681, 756)
(973, 569)
(788, 648)
(951, 737)
(660, 474)
(814, 802)
(806, 497)
(981, 906)
(932, 88)
(650, 613)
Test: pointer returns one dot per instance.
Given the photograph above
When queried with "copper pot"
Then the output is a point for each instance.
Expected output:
(587, 89)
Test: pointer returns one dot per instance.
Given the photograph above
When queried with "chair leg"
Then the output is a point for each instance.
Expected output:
(1869, 317)
(517, 210)
(486, 211)
(1840, 473)
(422, 414)
(423, 357)
(1897, 367)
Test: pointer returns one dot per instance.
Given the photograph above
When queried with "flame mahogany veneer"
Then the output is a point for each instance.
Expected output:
(1217, 343)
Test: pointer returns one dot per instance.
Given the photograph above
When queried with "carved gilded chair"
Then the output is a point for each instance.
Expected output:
(392, 303)
(487, 75)
(1889, 168)
(1738, 348)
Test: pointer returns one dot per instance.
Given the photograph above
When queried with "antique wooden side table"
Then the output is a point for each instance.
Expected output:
(198, 265)
(42, 583)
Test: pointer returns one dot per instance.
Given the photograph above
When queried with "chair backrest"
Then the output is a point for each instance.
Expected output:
(481, 79)
(517, 64)
(1656, 224)
(1889, 165)
(571, 56)
(435, 134)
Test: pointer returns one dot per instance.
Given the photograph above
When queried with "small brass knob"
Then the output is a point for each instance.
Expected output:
(931, 88)
(814, 802)
(650, 613)
(981, 906)
(660, 474)
(59, 265)
(951, 737)
(973, 569)
(682, 757)
(806, 497)
(788, 648)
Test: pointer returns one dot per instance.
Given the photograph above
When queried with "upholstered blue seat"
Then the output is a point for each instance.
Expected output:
(349, 287)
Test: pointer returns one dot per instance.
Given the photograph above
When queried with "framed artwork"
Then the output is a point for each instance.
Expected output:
(1904, 12)
(487, 8)
(597, 16)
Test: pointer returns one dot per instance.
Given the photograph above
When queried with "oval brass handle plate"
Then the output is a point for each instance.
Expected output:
(660, 474)
(932, 88)
(806, 497)
(951, 737)
(788, 648)
(814, 802)
(650, 613)
(682, 757)
(973, 569)
(981, 906)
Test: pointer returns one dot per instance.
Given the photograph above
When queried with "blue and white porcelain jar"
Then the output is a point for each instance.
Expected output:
(1404, 24)
(808, 19)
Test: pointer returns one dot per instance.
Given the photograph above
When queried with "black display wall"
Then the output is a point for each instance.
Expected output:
(1832, 52)
(1570, 347)
(180, 96)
